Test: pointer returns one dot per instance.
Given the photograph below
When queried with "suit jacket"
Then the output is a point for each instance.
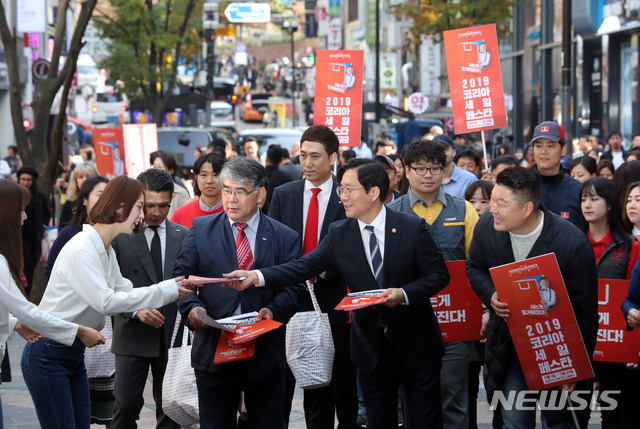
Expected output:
(209, 250)
(132, 337)
(286, 207)
(411, 262)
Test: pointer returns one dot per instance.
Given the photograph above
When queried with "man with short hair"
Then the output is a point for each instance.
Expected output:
(309, 207)
(468, 160)
(455, 180)
(559, 192)
(141, 339)
(497, 165)
(242, 237)
(635, 141)
(346, 155)
(392, 172)
(251, 149)
(450, 221)
(616, 153)
(274, 157)
(395, 344)
(519, 228)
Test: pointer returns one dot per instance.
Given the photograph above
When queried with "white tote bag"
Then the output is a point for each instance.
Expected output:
(310, 349)
(179, 389)
(99, 360)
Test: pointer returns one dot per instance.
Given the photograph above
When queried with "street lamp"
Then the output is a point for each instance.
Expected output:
(291, 25)
(210, 23)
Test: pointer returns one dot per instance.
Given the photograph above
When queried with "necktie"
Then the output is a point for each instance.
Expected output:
(243, 250)
(156, 253)
(311, 228)
(376, 256)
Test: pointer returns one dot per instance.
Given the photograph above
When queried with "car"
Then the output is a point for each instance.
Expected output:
(253, 107)
(108, 106)
(180, 142)
(222, 115)
(268, 136)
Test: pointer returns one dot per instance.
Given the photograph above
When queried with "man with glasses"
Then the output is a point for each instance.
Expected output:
(450, 221)
(240, 237)
(141, 339)
(395, 344)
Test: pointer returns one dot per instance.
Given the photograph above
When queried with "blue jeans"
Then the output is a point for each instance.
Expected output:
(57, 381)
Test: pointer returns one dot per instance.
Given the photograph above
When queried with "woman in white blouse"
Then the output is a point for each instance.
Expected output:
(85, 285)
(16, 313)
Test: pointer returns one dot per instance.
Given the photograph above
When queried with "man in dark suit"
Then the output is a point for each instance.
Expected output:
(395, 344)
(141, 339)
(309, 206)
(240, 237)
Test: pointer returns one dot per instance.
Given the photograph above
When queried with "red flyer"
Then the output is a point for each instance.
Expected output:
(247, 328)
(542, 325)
(338, 98)
(475, 80)
(457, 308)
(108, 149)
(615, 343)
(227, 352)
(356, 300)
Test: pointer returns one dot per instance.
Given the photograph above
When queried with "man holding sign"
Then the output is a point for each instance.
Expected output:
(521, 228)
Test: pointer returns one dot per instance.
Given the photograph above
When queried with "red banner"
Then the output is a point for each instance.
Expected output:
(108, 149)
(542, 323)
(338, 98)
(457, 307)
(615, 343)
(475, 80)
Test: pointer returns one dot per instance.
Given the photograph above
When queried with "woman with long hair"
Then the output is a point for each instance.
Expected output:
(606, 169)
(402, 185)
(583, 168)
(79, 174)
(85, 285)
(13, 303)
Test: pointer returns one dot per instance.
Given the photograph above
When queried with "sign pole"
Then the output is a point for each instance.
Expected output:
(484, 150)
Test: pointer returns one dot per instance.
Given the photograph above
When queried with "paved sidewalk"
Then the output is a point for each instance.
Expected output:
(19, 412)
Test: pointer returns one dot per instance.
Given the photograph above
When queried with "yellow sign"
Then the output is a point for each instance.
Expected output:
(227, 31)
(281, 110)
(244, 90)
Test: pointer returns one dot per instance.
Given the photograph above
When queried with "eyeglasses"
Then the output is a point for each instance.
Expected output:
(162, 208)
(421, 171)
(240, 193)
(345, 191)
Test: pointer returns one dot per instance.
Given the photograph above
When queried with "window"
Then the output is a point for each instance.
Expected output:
(353, 10)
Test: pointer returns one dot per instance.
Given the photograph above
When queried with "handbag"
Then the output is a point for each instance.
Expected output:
(309, 344)
(99, 360)
(179, 389)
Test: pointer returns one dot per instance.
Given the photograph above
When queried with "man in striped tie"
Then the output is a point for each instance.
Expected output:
(397, 344)
(240, 237)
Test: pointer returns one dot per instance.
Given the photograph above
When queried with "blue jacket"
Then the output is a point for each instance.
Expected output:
(560, 194)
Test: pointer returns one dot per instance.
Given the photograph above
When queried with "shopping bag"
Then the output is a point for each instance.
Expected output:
(310, 349)
(99, 360)
(179, 389)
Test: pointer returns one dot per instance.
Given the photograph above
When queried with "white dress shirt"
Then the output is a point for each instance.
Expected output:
(251, 231)
(12, 300)
(378, 229)
(323, 203)
(86, 284)
(162, 233)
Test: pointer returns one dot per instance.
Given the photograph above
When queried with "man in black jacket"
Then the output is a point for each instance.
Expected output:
(517, 228)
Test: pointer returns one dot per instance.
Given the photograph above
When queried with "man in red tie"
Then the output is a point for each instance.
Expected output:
(239, 237)
(309, 207)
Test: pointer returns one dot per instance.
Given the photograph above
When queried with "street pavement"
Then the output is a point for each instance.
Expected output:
(19, 411)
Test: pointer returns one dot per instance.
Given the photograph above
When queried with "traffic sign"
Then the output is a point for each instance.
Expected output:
(418, 103)
(248, 12)
(40, 68)
(241, 47)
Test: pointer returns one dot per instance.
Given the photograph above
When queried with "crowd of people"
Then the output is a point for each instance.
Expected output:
(380, 220)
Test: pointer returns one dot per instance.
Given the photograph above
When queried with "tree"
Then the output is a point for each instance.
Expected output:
(147, 38)
(32, 143)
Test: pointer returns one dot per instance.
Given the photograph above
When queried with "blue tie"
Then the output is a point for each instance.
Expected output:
(376, 257)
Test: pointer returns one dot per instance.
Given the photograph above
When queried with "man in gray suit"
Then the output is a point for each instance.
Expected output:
(141, 339)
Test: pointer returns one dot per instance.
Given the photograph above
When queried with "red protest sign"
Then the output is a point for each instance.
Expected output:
(108, 150)
(542, 323)
(338, 98)
(457, 307)
(475, 80)
(615, 343)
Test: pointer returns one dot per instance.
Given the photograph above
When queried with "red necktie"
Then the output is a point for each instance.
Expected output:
(243, 250)
(311, 228)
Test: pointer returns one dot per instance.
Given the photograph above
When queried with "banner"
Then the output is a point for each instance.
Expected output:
(139, 141)
(457, 307)
(338, 100)
(615, 343)
(542, 323)
(108, 149)
(475, 80)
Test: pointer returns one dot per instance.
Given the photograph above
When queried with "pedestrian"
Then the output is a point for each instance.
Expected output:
(164, 161)
(606, 169)
(455, 180)
(80, 173)
(31, 323)
(631, 209)
(86, 285)
(583, 168)
(615, 152)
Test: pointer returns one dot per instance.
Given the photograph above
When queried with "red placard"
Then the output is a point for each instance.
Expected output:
(338, 98)
(475, 80)
(550, 347)
(615, 343)
(109, 160)
(457, 308)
